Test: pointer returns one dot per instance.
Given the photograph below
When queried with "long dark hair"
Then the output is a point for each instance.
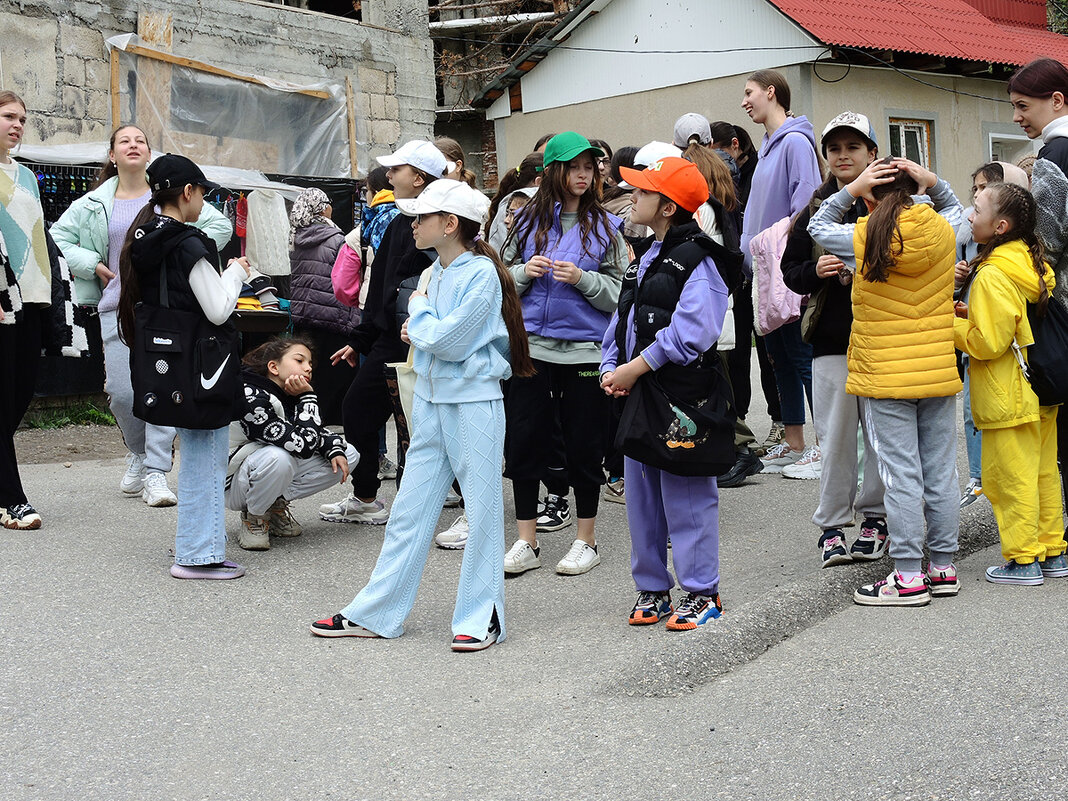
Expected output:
(1040, 78)
(540, 214)
(880, 251)
(521, 177)
(1017, 205)
(109, 169)
(273, 350)
(129, 283)
(511, 309)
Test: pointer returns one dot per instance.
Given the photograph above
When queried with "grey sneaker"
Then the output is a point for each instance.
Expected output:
(156, 493)
(353, 510)
(1012, 572)
(252, 535)
(972, 493)
(614, 491)
(133, 480)
(387, 470)
(280, 520)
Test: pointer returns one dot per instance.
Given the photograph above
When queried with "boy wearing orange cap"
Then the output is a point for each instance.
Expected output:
(671, 311)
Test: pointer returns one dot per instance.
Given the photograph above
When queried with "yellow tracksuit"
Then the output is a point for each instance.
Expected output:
(1019, 437)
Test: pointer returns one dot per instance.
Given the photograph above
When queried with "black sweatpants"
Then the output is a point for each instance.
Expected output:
(20, 356)
(570, 394)
(367, 407)
(739, 359)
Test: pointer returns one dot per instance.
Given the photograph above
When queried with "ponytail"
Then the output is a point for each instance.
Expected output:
(511, 308)
(129, 283)
(880, 252)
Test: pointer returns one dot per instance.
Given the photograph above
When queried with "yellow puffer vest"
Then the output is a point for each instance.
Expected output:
(901, 343)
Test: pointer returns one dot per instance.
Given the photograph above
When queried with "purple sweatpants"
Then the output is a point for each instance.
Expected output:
(687, 508)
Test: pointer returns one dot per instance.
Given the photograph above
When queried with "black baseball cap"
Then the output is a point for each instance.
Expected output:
(172, 171)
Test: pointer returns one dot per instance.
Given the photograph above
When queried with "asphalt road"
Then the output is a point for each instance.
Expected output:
(122, 683)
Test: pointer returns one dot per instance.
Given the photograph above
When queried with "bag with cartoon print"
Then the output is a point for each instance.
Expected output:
(681, 420)
(185, 371)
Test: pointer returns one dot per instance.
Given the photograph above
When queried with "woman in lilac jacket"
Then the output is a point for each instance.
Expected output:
(787, 173)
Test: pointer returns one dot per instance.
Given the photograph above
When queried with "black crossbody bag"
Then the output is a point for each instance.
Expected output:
(185, 371)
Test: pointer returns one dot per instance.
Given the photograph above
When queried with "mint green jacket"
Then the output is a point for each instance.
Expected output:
(82, 235)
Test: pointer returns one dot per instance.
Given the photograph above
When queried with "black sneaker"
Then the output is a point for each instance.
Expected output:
(21, 516)
(339, 626)
(871, 544)
(834, 548)
(555, 514)
(464, 642)
(746, 464)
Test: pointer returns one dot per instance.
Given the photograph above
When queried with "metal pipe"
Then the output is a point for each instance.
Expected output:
(477, 23)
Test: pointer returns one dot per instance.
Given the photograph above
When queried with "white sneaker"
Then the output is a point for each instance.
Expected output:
(521, 557)
(809, 466)
(133, 480)
(452, 500)
(353, 510)
(778, 457)
(454, 538)
(582, 558)
(252, 534)
(387, 470)
(156, 492)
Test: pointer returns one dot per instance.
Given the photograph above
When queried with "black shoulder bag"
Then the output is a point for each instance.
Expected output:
(185, 371)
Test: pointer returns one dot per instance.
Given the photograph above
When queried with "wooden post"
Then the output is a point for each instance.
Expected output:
(115, 99)
(351, 105)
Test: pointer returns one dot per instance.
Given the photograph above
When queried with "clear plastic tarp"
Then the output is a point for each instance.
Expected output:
(270, 126)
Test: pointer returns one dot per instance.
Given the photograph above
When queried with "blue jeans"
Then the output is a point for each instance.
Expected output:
(973, 437)
(201, 536)
(791, 357)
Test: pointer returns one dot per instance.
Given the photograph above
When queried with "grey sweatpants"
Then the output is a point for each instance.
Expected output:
(915, 442)
(272, 473)
(152, 443)
(837, 416)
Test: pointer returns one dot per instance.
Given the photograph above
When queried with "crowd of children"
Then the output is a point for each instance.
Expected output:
(589, 331)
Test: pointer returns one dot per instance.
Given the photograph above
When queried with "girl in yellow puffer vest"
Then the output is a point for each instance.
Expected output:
(1019, 435)
(901, 363)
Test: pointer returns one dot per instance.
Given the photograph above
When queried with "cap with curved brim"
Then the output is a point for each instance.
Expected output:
(674, 178)
(566, 146)
(447, 196)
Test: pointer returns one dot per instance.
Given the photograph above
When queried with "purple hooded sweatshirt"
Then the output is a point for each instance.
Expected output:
(786, 175)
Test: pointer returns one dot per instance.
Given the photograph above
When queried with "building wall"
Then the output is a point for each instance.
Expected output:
(961, 124)
(53, 55)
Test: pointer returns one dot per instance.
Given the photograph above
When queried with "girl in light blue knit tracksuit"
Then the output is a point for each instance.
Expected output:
(466, 329)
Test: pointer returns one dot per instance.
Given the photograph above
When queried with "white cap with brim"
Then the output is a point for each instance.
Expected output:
(650, 154)
(449, 196)
(854, 122)
(419, 154)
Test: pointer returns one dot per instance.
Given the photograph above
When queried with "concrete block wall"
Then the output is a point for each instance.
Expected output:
(53, 55)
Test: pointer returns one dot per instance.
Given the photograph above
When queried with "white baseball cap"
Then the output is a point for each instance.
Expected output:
(419, 154)
(453, 197)
(853, 121)
(650, 154)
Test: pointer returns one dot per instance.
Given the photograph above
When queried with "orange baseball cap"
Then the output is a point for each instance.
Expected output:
(675, 178)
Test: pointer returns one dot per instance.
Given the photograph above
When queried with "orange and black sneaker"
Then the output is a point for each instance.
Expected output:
(694, 611)
(651, 607)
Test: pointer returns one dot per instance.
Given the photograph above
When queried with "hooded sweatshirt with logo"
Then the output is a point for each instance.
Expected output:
(786, 175)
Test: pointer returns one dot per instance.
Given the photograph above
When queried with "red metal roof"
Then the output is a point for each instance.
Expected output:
(947, 28)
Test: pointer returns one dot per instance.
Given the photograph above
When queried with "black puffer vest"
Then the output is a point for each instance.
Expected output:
(180, 246)
(655, 299)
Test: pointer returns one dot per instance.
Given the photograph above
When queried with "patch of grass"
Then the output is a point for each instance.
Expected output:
(82, 413)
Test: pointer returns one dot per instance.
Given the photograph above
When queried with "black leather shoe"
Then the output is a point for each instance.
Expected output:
(747, 464)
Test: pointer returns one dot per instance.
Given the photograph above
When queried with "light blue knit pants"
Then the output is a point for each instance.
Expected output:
(465, 440)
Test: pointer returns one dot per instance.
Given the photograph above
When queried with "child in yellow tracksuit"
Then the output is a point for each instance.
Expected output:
(1019, 460)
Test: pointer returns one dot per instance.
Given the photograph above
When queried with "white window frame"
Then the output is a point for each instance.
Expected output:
(925, 137)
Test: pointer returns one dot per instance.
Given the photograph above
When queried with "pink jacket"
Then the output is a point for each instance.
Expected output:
(347, 276)
(774, 303)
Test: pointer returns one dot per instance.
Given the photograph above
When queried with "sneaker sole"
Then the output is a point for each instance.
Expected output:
(132, 492)
(577, 571)
(867, 600)
(806, 477)
(867, 557)
(344, 519)
(945, 592)
(160, 503)
(690, 625)
(189, 573)
(650, 621)
(482, 645)
(450, 546)
(364, 633)
(520, 571)
(13, 525)
(613, 498)
(254, 547)
(1028, 582)
(547, 529)
(1054, 573)
(834, 561)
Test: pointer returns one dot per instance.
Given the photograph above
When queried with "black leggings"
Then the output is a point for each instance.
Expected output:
(567, 395)
(20, 356)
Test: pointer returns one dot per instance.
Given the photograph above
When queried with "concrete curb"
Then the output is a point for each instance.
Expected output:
(744, 633)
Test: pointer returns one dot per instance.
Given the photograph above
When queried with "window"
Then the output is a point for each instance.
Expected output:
(911, 139)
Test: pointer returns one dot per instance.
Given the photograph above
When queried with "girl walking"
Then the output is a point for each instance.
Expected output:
(849, 146)
(162, 244)
(1019, 457)
(90, 233)
(682, 290)
(567, 257)
(901, 361)
(465, 330)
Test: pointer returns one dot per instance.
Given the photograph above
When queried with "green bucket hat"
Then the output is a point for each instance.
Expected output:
(565, 146)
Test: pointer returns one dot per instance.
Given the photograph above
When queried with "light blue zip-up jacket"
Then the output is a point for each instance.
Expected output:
(82, 236)
(459, 334)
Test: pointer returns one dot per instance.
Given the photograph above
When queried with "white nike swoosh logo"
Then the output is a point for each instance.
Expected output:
(208, 383)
